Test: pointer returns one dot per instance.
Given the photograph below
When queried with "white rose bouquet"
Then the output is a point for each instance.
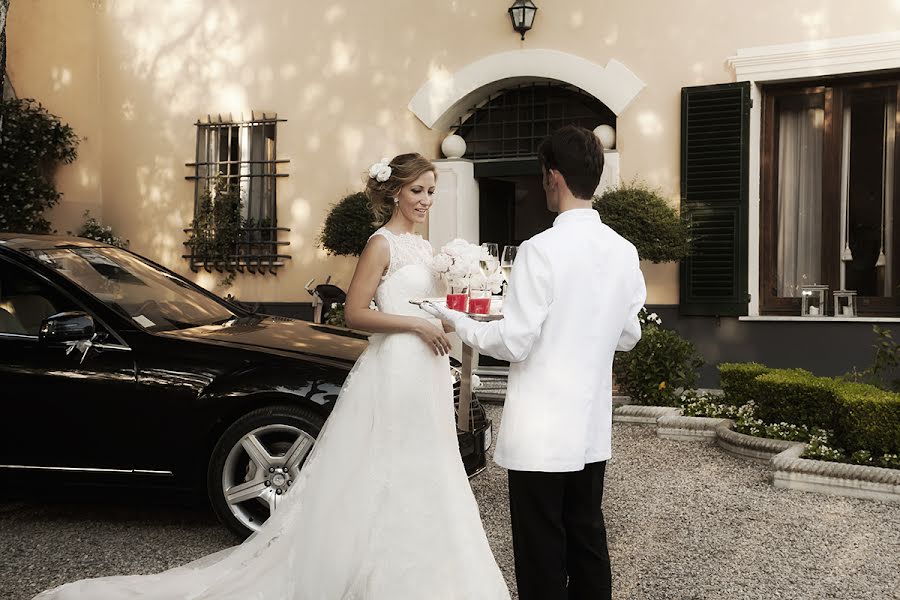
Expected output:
(458, 263)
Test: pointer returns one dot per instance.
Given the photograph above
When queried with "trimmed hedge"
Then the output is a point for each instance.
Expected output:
(869, 419)
(737, 379)
(862, 416)
(795, 396)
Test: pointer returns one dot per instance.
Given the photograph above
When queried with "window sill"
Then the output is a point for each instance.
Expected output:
(797, 318)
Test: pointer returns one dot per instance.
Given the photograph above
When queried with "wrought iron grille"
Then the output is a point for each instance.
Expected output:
(513, 122)
(244, 154)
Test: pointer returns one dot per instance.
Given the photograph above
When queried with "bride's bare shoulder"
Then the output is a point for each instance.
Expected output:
(377, 244)
(376, 255)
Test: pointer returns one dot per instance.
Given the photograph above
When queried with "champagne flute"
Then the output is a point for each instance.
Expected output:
(490, 261)
(506, 263)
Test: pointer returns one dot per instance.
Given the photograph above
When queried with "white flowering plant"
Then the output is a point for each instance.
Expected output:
(458, 263)
(646, 318)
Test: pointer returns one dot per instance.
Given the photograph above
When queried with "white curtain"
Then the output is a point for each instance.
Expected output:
(800, 143)
(890, 128)
(245, 180)
(845, 199)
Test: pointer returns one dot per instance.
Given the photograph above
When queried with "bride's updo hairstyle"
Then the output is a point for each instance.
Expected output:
(405, 168)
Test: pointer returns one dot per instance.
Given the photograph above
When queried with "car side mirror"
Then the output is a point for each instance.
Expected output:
(67, 327)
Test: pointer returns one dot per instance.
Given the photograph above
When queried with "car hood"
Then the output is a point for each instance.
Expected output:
(280, 334)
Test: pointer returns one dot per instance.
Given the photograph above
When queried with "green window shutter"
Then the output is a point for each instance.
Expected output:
(715, 123)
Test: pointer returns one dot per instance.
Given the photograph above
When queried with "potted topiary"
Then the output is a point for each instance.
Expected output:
(644, 217)
(349, 225)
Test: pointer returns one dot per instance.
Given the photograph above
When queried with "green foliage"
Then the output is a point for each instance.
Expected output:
(694, 404)
(658, 367)
(348, 226)
(795, 396)
(862, 416)
(217, 225)
(890, 461)
(643, 217)
(33, 143)
(868, 418)
(93, 230)
(885, 369)
(820, 448)
(867, 444)
(737, 380)
(335, 316)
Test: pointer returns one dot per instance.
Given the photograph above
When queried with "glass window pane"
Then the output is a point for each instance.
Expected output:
(867, 191)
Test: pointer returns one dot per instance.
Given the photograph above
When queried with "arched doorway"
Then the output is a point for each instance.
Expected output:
(504, 104)
(502, 134)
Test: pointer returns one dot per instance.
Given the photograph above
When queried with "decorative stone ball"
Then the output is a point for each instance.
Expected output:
(453, 146)
(607, 136)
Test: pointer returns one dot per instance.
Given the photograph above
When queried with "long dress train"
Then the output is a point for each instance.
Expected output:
(382, 510)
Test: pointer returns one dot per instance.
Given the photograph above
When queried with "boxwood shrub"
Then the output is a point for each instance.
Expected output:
(868, 419)
(737, 380)
(795, 396)
(862, 416)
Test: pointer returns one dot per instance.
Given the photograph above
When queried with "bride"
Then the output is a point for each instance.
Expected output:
(383, 509)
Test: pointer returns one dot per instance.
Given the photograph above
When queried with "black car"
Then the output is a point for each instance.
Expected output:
(115, 370)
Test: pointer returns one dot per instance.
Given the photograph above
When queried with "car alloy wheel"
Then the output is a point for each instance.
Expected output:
(256, 461)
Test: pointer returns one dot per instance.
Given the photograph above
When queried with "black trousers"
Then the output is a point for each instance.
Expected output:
(559, 536)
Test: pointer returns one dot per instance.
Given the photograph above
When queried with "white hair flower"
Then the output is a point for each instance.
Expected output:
(381, 171)
(384, 174)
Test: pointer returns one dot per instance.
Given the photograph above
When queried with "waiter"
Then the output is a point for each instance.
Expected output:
(573, 300)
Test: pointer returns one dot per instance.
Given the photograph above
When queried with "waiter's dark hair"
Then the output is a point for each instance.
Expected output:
(578, 155)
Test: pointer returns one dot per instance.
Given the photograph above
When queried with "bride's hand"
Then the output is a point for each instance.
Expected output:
(432, 335)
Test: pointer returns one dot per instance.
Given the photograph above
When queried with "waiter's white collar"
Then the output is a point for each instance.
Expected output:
(576, 214)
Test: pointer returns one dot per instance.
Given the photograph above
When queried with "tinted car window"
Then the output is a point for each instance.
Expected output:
(26, 300)
(149, 296)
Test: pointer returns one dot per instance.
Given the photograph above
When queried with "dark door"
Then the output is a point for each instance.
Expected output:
(496, 210)
(60, 408)
(512, 208)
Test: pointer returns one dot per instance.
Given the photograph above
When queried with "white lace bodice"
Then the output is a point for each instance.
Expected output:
(406, 249)
(414, 257)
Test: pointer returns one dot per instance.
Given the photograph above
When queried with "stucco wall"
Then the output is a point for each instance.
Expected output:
(52, 56)
(136, 75)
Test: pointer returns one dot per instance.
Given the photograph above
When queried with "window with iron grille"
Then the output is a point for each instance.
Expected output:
(513, 122)
(240, 156)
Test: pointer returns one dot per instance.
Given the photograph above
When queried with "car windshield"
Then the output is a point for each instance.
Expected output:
(152, 298)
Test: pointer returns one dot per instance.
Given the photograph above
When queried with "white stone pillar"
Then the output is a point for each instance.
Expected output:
(610, 177)
(455, 210)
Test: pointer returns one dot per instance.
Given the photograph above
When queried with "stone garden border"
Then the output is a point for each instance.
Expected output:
(788, 469)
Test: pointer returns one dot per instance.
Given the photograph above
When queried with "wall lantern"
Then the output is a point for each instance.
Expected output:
(844, 303)
(522, 14)
(814, 299)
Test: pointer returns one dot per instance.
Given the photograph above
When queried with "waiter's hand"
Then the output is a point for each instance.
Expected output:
(448, 316)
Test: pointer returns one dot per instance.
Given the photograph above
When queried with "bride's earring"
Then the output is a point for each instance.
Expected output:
(396, 200)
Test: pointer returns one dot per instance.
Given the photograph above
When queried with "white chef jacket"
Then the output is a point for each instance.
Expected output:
(574, 294)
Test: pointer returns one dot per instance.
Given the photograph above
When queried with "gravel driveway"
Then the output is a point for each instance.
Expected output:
(685, 522)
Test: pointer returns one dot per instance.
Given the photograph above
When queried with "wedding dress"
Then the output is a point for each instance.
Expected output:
(382, 510)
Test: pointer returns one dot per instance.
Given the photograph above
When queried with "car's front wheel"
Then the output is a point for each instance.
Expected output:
(255, 462)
